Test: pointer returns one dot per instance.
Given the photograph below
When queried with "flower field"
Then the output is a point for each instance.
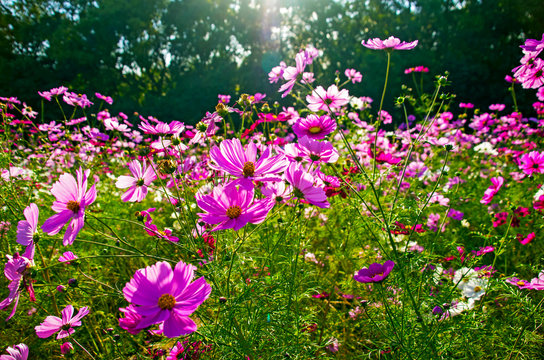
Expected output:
(326, 227)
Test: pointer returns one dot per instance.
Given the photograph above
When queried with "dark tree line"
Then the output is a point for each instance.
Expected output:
(170, 58)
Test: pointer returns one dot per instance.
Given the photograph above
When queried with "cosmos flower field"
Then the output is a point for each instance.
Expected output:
(329, 228)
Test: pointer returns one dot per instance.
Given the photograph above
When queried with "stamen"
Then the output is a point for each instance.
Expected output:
(167, 302)
(73, 206)
(249, 169)
(234, 211)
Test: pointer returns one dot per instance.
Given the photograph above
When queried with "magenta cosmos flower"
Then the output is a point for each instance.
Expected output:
(27, 230)
(231, 207)
(326, 100)
(391, 42)
(231, 158)
(18, 352)
(64, 326)
(314, 126)
(532, 162)
(491, 191)
(375, 273)
(71, 199)
(142, 177)
(160, 295)
(16, 272)
(305, 186)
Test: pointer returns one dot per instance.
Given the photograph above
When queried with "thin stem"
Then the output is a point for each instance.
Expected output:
(374, 166)
(81, 346)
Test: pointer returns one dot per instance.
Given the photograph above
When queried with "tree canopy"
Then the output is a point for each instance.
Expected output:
(170, 58)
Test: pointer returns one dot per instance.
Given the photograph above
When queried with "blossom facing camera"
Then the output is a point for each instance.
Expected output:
(72, 197)
(230, 157)
(160, 295)
(375, 273)
(332, 98)
(230, 207)
(141, 177)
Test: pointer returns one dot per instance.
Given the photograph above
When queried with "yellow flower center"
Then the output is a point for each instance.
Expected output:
(167, 302)
(234, 211)
(477, 289)
(73, 206)
(249, 168)
(520, 283)
(314, 129)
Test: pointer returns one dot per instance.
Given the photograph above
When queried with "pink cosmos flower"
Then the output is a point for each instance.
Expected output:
(540, 93)
(71, 199)
(48, 95)
(497, 107)
(73, 99)
(326, 100)
(353, 75)
(160, 295)
(232, 208)
(385, 117)
(64, 326)
(524, 241)
(16, 272)
(142, 177)
(314, 126)
(466, 105)
(532, 162)
(307, 78)
(27, 230)
(391, 43)
(225, 99)
(107, 99)
(291, 73)
(310, 53)
(383, 157)
(305, 186)
(131, 320)
(491, 191)
(230, 157)
(317, 151)
(18, 352)
(65, 348)
(166, 234)
(376, 272)
(533, 44)
(276, 73)
(536, 283)
(187, 350)
(161, 128)
(277, 190)
(533, 77)
(27, 111)
(67, 257)
(420, 69)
